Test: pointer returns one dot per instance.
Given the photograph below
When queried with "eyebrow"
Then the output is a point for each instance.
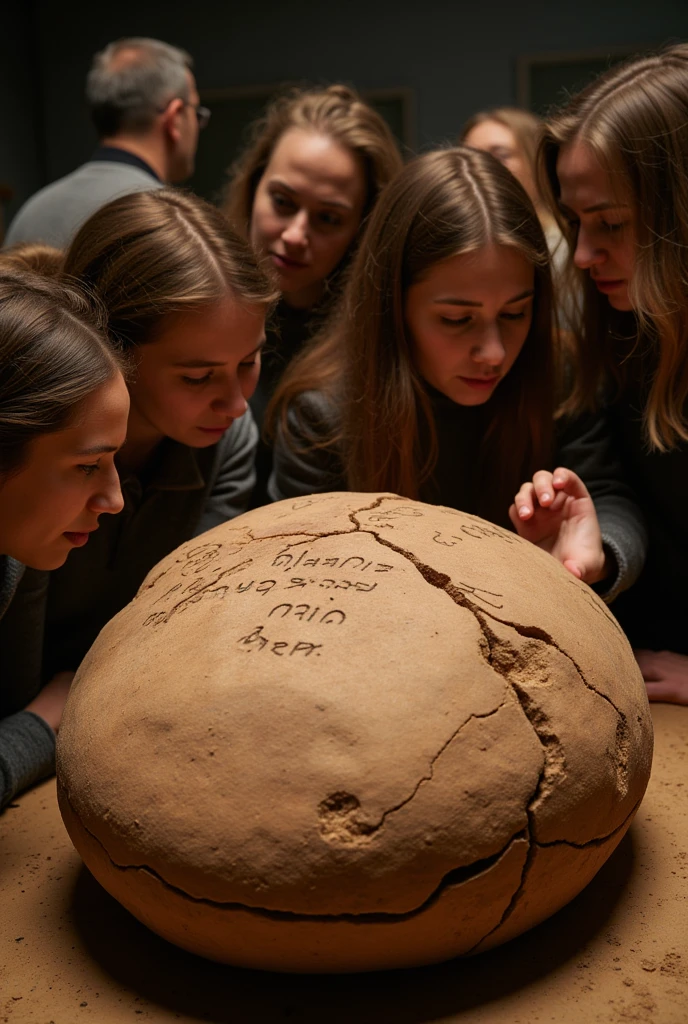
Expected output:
(597, 208)
(196, 364)
(200, 364)
(323, 202)
(468, 302)
(98, 449)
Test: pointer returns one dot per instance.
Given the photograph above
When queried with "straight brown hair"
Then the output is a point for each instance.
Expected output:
(634, 118)
(42, 259)
(149, 254)
(526, 127)
(442, 204)
(53, 355)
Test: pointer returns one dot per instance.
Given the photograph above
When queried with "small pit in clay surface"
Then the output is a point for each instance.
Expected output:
(353, 732)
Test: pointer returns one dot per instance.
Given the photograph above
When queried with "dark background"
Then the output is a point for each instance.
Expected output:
(452, 57)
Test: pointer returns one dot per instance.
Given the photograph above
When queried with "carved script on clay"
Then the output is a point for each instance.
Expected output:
(257, 641)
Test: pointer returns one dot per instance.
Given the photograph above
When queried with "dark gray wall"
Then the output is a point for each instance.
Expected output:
(21, 164)
(456, 56)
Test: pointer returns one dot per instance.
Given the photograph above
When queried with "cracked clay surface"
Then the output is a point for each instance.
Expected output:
(353, 714)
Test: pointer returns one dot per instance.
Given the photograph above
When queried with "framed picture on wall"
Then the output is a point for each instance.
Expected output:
(235, 109)
(545, 80)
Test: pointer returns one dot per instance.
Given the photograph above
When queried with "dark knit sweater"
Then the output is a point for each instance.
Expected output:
(654, 612)
(27, 743)
(287, 334)
(583, 446)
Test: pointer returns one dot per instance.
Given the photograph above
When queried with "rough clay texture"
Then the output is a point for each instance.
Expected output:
(351, 732)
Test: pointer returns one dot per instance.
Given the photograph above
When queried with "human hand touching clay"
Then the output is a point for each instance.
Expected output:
(50, 702)
(555, 512)
(665, 674)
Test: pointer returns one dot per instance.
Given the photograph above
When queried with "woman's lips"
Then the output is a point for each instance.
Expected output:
(607, 285)
(215, 431)
(77, 539)
(480, 383)
(285, 263)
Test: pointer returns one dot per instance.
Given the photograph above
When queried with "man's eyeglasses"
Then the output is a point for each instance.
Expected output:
(202, 113)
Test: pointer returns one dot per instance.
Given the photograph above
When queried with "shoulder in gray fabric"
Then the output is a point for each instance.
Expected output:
(55, 214)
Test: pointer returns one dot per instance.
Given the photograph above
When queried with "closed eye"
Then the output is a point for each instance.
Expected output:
(452, 322)
(513, 316)
(194, 381)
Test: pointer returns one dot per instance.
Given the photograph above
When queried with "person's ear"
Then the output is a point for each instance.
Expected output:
(171, 118)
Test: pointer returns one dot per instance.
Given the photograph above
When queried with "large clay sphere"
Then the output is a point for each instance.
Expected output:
(352, 732)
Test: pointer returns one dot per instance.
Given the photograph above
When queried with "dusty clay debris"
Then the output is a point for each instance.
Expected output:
(352, 732)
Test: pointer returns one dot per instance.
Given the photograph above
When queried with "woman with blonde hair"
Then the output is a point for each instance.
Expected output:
(512, 135)
(301, 191)
(63, 415)
(615, 166)
(437, 378)
(186, 302)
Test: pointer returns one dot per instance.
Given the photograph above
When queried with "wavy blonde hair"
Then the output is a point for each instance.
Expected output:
(337, 111)
(442, 204)
(635, 120)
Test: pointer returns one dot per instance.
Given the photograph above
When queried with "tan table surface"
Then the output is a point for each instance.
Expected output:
(618, 953)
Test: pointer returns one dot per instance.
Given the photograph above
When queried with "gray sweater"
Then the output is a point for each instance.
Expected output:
(583, 445)
(27, 743)
(56, 213)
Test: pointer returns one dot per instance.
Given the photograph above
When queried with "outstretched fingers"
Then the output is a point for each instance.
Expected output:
(568, 481)
(524, 502)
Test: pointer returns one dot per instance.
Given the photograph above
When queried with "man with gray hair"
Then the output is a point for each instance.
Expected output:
(144, 104)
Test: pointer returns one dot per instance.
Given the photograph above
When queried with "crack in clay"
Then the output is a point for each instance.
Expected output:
(547, 740)
(339, 811)
(538, 721)
(529, 862)
(344, 805)
(442, 581)
(598, 841)
(308, 537)
(456, 876)
(368, 508)
(511, 906)
(622, 739)
(504, 660)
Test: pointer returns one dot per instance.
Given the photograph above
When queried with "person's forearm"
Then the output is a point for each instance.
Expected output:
(625, 538)
(27, 753)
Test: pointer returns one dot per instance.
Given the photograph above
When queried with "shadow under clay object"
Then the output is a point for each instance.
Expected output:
(352, 732)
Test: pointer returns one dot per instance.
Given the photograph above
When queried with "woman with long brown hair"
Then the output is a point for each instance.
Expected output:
(186, 302)
(512, 135)
(615, 167)
(63, 415)
(437, 378)
(306, 183)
